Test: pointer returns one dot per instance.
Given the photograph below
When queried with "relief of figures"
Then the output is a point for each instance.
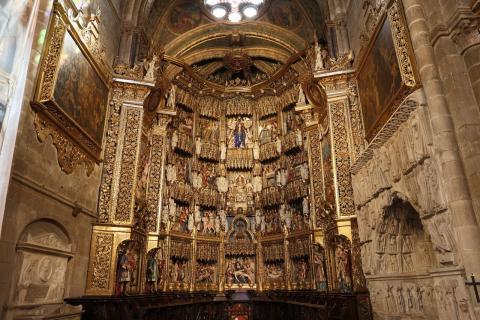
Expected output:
(274, 272)
(184, 219)
(205, 273)
(179, 271)
(268, 131)
(209, 222)
(300, 270)
(208, 130)
(240, 271)
(272, 221)
(239, 132)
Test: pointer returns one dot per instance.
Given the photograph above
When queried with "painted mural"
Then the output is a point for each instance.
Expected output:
(184, 16)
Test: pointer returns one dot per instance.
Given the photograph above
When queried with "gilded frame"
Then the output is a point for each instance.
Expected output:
(405, 58)
(73, 143)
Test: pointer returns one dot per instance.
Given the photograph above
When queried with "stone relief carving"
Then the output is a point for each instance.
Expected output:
(44, 250)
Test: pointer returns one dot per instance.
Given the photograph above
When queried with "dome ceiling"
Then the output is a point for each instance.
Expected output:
(183, 26)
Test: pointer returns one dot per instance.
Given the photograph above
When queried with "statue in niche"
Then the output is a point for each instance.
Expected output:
(198, 146)
(320, 268)
(171, 101)
(222, 181)
(256, 151)
(183, 217)
(223, 219)
(174, 139)
(342, 264)
(223, 151)
(171, 173)
(172, 207)
(126, 268)
(239, 132)
(268, 132)
(155, 264)
(190, 222)
(239, 135)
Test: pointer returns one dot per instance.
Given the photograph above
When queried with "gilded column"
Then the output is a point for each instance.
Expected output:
(117, 189)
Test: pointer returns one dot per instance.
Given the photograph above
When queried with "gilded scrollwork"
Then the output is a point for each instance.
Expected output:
(110, 148)
(69, 155)
(101, 265)
(127, 177)
(402, 44)
(342, 159)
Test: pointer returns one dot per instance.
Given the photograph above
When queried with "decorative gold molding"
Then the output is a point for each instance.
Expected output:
(403, 47)
(73, 144)
(69, 154)
(341, 159)
(101, 260)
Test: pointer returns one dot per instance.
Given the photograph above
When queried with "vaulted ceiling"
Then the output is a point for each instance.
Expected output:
(182, 27)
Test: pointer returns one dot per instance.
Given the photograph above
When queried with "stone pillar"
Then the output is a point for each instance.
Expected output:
(444, 140)
(466, 35)
(117, 189)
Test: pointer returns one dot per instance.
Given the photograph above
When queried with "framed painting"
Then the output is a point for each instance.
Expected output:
(72, 93)
(386, 74)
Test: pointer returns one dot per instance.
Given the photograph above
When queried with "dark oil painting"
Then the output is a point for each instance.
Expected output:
(79, 90)
(379, 81)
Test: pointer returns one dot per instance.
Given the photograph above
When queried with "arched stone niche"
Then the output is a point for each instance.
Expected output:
(401, 244)
(43, 252)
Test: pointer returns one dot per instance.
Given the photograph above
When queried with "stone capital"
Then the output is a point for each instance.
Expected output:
(466, 32)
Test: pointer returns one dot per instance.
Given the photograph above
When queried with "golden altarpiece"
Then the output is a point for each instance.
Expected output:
(223, 183)
(211, 190)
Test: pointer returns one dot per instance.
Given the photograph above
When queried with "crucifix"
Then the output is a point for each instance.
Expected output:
(474, 284)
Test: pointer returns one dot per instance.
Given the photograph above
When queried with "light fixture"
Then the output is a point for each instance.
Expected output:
(234, 11)
(234, 17)
(219, 12)
(250, 11)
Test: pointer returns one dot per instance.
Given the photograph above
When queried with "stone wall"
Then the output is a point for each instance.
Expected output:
(427, 167)
(40, 190)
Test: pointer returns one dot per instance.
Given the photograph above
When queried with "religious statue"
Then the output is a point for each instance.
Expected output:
(320, 272)
(342, 261)
(198, 146)
(298, 137)
(172, 208)
(222, 184)
(150, 68)
(256, 151)
(305, 206)
(279, 145)
(223, 220)
(223, 151)
(257, 183)
(318, 57)
(240, 135)
(171, 102)
(171, 173)
(190, 222)
(154, 269)
(127, 265)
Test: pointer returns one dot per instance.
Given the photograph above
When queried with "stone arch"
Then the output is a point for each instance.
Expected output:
(44, 249)
(401, 243)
